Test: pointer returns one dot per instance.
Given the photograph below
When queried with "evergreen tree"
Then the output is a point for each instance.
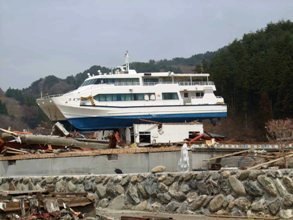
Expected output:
(3, 109)
(255, 74)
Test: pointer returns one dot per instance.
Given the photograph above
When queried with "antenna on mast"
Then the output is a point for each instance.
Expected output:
(127, 61)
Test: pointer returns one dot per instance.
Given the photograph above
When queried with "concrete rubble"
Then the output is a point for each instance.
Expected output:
(42, 204)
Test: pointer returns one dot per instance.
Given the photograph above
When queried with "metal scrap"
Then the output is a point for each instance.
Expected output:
(40, 204)
(19, 143)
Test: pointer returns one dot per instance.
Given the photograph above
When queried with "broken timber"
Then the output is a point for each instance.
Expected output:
(269, 162)
(30, 139)
(37, 202)
(96, 152)
(228, 155)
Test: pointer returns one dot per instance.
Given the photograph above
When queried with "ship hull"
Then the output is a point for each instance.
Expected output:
(105, 117)
(112, 122)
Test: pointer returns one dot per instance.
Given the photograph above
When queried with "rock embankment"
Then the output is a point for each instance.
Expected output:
(234, 193)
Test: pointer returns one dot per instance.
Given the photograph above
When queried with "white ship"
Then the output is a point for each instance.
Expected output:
(124, 97)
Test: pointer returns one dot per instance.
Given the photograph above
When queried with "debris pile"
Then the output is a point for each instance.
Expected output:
(253, 159)
(40, 204)
(18, 143)
(209, 138)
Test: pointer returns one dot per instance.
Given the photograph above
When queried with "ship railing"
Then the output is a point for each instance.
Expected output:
(126, 83)
(51, 96)
(204, 83)
(196, 97)
(183, 83)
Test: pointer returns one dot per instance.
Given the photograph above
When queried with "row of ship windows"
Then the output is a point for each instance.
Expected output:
(138, 96)
(197, 94)
(124, 81)
(134, 97)
(128, 81)
(146, 81)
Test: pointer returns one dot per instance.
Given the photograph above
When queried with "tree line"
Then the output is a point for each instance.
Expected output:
(255, 74)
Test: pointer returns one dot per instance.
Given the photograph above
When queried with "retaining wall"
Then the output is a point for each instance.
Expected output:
(234, 193)
(136, 162)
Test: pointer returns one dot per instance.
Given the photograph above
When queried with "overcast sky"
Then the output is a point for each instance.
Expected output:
(65, 37)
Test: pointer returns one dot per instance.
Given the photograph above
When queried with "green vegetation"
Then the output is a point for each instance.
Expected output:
(255, 74)
(153, 66)
(3, 109)
(197, 63)
(20, 96)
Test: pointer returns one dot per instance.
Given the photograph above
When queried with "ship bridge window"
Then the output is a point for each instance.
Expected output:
(170, 96)
(119, 82)
(89, 82)
(122, 97)
(199, 94)
(127, 81)
(150, 81)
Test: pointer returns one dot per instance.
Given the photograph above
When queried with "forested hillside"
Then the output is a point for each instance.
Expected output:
(253, 74)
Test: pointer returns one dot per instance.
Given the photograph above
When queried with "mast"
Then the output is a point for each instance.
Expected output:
(127, 61)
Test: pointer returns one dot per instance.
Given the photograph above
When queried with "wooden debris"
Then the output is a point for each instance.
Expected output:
(8, 132)
(17, 193)
(58, 141)
(91, 153)
(228, 155)
(10, 150)
(11, 142)
(41, 204)
(241, 217)
(269, 162)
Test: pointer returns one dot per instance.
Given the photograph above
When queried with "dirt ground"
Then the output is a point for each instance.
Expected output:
(117, 214)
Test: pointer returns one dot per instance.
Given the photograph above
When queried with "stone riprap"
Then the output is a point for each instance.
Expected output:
(260, 193)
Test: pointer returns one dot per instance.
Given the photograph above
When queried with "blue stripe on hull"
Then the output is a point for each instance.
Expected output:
(104, 123)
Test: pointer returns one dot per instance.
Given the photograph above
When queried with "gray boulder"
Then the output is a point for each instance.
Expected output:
(101, 190)
(288, 182)
(103, 203)
(258, 206)
(253, 189)
(242, 203)
(268, 184)
(288, 200)
(172, 206)
(117, 203)
(216, 203)
(164, 198)
(274, 206)
(286, 213)
(237, 186)
(158, 169)
(281, 189)
(132, 193)
(198, 202)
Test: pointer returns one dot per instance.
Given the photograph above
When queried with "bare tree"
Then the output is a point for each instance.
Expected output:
(282, 132)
